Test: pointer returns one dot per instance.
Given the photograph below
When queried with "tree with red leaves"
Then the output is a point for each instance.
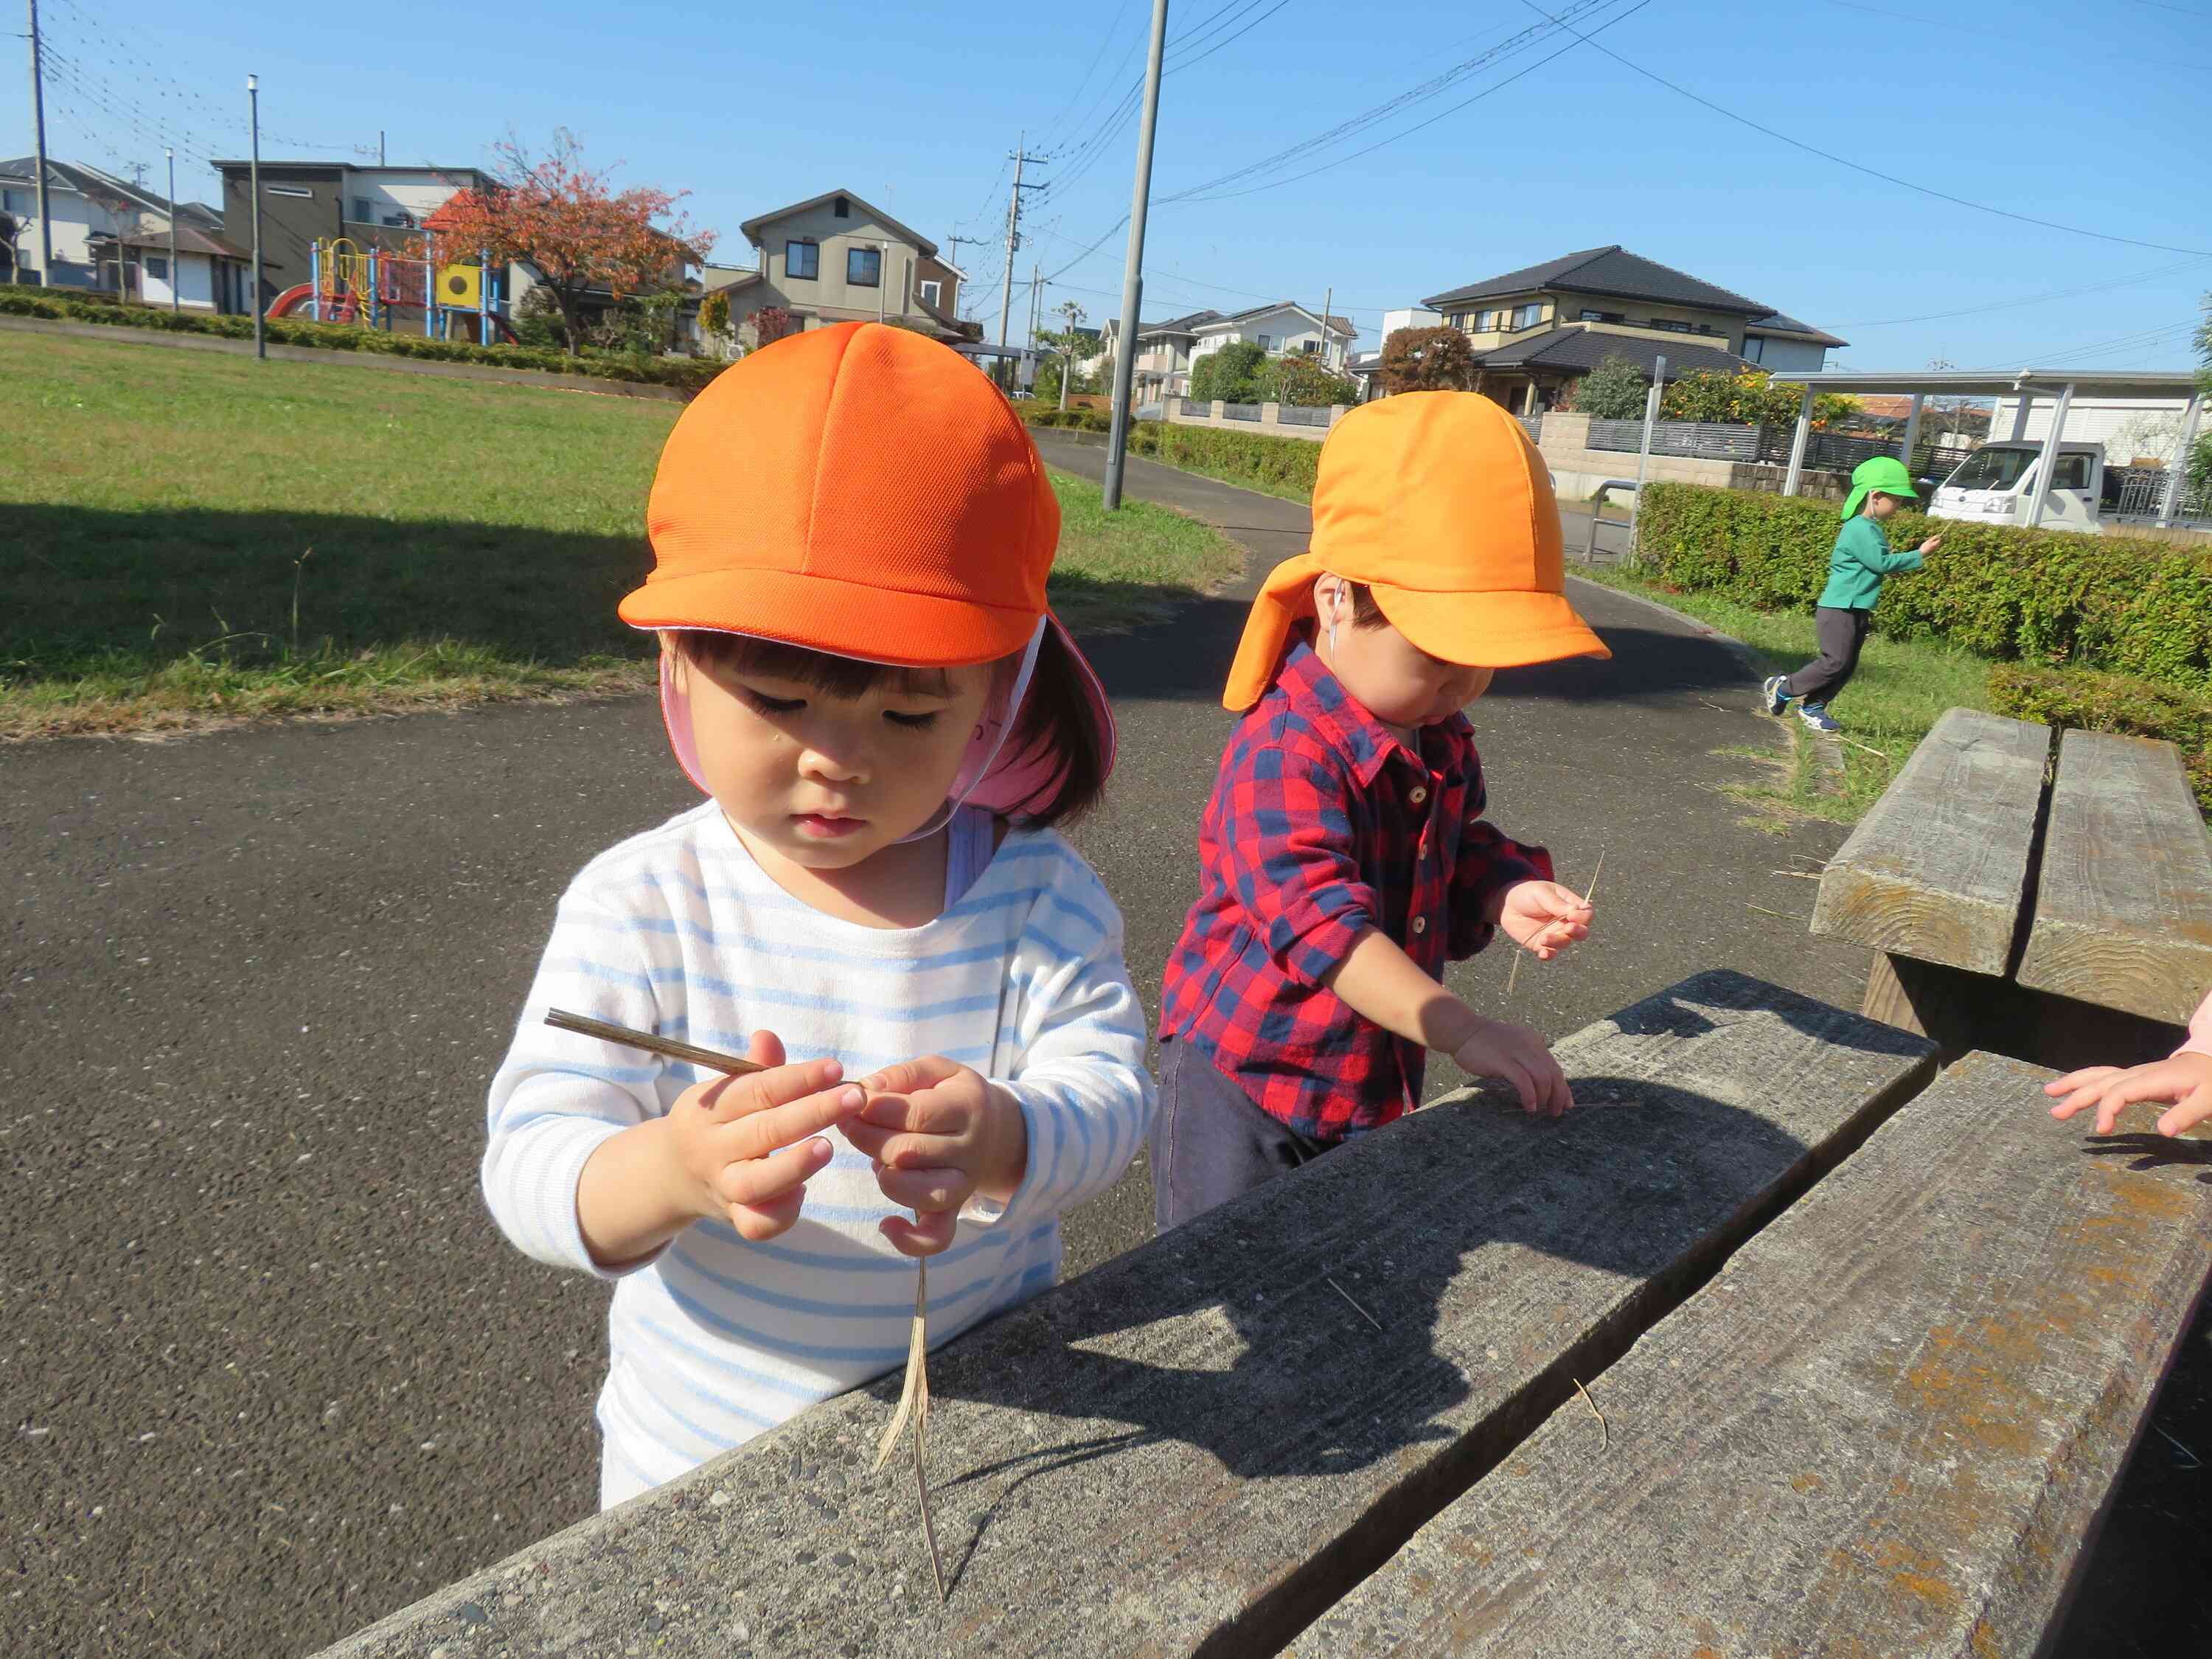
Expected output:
(571, 226)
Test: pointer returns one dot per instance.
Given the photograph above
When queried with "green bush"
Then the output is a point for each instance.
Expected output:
(1232, 374)
(2084, 698)
(1234, 457)
(69, 305)
(2129, 604)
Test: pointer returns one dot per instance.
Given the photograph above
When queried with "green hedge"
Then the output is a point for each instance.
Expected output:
(75, 306)
(2111, 702)
(2127, 603)
(1235, 457)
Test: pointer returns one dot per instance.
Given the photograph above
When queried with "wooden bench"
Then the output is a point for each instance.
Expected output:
(2056, 909)
(1201, 1445)
(1887, 1427)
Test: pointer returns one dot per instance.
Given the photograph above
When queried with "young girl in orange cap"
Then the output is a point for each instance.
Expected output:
(851, 534)
(1343, 856)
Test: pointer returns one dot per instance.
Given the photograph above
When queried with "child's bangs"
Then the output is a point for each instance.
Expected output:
(818, 670)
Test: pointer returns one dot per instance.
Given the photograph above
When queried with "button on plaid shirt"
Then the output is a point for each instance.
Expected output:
(1321, 824)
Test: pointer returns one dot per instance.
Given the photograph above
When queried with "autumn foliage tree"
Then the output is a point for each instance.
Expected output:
(571, 225)
(1427, 359)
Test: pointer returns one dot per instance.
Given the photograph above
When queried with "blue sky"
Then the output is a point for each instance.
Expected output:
(2087, 118)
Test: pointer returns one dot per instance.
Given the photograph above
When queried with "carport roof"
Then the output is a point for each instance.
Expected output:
(2177, 384)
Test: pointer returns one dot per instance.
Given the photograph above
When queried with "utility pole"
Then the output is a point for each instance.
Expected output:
(39, 130)
(1132, 276)
(380, 146)
(966, 303)
(175, 280)
(253, 183)
(1013, 233)
(1328, 299)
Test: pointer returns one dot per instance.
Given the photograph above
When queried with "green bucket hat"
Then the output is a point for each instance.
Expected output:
(1884, 473)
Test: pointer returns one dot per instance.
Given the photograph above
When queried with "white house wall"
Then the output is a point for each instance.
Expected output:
(2152, 425)
(195, 280)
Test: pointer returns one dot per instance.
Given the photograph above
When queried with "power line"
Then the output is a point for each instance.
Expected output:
(1105, 38)
(2054, 357)
(1856, 167)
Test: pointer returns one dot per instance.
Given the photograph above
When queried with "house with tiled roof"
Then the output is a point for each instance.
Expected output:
(1166, 350)
(834, 258)
(1538, 330)
(112, 235)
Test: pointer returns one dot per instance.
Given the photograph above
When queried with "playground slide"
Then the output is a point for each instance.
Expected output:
(285, 303)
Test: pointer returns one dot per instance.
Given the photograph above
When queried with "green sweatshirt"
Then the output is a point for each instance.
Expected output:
(1860, 559)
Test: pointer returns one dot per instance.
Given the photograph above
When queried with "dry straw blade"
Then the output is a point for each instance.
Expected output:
(713, 1058)
(914, 1403)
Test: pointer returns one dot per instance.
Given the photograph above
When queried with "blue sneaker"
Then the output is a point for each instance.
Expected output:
(1816, 715)
(1776, 698)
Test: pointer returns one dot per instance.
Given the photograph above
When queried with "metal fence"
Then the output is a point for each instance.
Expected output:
(1192, 406)
(1533, 426)
(1240, 411)
(2139, 492)
(1291, 414)
(1768, 445)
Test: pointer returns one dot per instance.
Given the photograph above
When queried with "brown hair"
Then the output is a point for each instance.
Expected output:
(1055, 714)
(1366, 613)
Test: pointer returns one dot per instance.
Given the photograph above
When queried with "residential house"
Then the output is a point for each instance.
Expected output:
(834, 257)
(1538, 330)
(1166, 351)
(305, 202)
(112, 236)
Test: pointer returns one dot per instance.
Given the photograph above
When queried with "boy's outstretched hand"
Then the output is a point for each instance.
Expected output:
(1544, 917)
(2185, 1079)
(1522, 1058)
(939, 1132)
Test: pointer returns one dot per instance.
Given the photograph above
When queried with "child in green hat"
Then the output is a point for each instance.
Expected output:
(1860, 560)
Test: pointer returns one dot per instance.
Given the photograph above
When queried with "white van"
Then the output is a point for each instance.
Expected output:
(1996, 484)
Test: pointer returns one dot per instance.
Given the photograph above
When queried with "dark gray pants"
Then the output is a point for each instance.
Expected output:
(1209, 1143)
(1842, 634)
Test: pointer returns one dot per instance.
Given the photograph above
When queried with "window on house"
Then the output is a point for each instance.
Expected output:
(1672, 328)
(1529, 315)
(1267, 343)
(17, 203)
(157, 267)
(802, 261)
(864, 267)
(399, 220)
(300, 191)
(361, 212)
(1457, 320)
(1311, 347)
(1754, 347)
(930, 291)
(843, 210)
(1603, 317)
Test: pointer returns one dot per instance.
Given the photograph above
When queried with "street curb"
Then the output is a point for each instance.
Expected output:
(1745, 658)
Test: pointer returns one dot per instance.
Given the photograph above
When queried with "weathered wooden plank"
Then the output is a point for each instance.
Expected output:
(1887, 1427)
(1201, 1444)
(2124, 907)
(1938, 869)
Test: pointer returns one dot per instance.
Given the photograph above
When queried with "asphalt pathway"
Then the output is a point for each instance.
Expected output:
(269, 1372)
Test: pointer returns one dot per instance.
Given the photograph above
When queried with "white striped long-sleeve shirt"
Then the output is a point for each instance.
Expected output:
(678, 931)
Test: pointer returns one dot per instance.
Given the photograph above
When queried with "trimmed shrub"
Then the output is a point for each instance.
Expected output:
(2125, 603)
(2085, 699)
(1233, 457)
(69, 305)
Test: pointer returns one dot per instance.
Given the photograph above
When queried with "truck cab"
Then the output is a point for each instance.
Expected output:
(1995, 484)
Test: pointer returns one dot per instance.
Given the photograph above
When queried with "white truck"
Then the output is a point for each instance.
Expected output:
(1995, 484)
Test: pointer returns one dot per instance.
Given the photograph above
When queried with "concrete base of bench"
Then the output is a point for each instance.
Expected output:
(1202, 1445)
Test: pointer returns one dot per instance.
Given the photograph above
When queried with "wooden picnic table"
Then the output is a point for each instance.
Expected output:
(2053, 902)
(1859, 1395)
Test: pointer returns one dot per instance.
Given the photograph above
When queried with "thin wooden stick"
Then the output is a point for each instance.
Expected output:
(914, 1403)
(1513, 978)
(1764, 911)
(1605, 1433)
(1356, 1308)
(1595, 874)
(713, 1058)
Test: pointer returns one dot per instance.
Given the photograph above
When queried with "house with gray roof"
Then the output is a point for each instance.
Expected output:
(112, 236)
(833, 259)
(1538, 330)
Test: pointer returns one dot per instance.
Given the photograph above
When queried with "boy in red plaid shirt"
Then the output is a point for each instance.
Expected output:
(1343, 856)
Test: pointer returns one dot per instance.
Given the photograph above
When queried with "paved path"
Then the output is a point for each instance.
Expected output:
(269, 1372)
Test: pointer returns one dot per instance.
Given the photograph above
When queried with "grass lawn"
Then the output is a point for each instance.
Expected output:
(1901, 689)
(205, 538)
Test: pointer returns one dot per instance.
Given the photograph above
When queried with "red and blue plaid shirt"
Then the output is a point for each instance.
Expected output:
(1321, 824)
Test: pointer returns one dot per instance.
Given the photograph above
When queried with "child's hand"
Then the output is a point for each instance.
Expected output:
(1930, 546)
(939, 1133)
(1522, 1058)
(1544, 917)
(743, 1147)
(2186, 1080)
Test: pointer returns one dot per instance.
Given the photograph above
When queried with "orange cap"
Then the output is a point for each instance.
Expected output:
(1438, 502)
(857, 489)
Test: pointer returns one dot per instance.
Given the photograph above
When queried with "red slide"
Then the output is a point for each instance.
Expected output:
(284, 303)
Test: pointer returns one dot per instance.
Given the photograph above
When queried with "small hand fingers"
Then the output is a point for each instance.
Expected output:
(929, 1111)
(1557, 1096)
(2074, 1080)
(734, 1097)
(926, 1191)
(758, 1135)
(2195, 1108)
(756, 1180)
(925, 1237)
(909, 1076)
(766, 1049)
(759, 1223)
